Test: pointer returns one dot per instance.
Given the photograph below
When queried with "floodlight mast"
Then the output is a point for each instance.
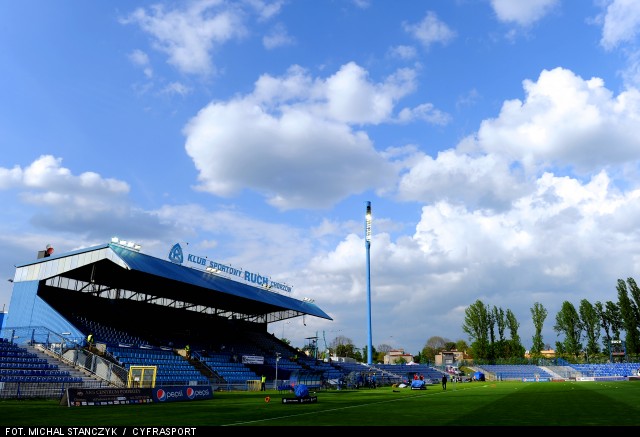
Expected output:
(367, 243)
(276, 380)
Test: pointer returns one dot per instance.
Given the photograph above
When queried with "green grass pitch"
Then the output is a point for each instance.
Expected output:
(462, 404)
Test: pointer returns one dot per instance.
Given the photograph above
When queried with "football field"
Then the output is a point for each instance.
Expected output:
(462, 404)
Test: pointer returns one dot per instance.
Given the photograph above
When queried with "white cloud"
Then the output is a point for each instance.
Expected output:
(621, 23)
(293, 137)
(189, 36)
(426, 112)
(47, 176)
(141, 59)
(485, 181)
(430, 30)
(565, 121)
(631, 74)
(362, 4)
(469, 99)
(248, 242)
(352, 98)
(85, 205)
(295, 160)
(403, 52)
(277, 37)
(266, 9)
(176, 88)
(522, 12)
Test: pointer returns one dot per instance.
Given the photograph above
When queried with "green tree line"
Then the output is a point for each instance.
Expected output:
(587, 332)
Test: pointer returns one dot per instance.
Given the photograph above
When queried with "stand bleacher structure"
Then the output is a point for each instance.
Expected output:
(143, 311)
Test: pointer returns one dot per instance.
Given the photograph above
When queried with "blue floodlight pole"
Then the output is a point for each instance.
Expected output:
(367, 242)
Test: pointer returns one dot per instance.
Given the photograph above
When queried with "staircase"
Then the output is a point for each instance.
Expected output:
(88, 379)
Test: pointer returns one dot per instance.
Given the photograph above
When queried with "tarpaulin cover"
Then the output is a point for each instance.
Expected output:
(301, 390)
(417, 383)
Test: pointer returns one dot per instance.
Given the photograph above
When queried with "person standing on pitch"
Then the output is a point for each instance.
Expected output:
(444, 382)
(263, 383)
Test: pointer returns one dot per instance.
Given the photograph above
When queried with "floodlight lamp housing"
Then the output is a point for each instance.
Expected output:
(368, 223)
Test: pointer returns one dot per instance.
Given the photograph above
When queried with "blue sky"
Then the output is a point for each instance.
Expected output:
(496, 141)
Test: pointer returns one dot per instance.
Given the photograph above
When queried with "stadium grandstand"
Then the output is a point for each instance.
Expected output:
(142, 311)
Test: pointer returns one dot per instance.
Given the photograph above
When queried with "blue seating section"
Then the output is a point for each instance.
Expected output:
(231, 371)
(327, 370)
(515, 371)
(607, 370)
(19, 365)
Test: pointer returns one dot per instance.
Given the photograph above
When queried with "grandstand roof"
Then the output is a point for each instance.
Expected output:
(117, 272)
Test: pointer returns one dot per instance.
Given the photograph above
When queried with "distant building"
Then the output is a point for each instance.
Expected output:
(450, 358)
(550, 353)
(393, 355)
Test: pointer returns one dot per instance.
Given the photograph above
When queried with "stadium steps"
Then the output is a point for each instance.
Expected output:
(554, 371)
(204, 369)
(88, 380)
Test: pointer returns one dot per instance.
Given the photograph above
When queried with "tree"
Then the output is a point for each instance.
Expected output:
(635, 294)
(538, 315)
(614, 316)
(515, 348)
(560, 348)
(610, 322)
(433, 346)
(499, 347)
(628, 312)
(380, 352)
(605, 324)
(568, 323)
(498, 317)
(344, 347)
(384, 348)
(476, 325)
(339, 341)
(436, 342)
(428, 354)
(462, 346)
(374, 354)
(348, 350)
(590, 323)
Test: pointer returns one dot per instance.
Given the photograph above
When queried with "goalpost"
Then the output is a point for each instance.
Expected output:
(142, 376)
(254, 384)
